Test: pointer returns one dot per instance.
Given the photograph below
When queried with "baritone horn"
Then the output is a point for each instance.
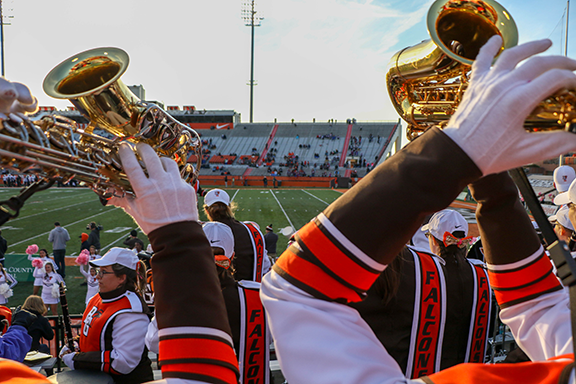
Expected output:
(426, 82)
(57, 148)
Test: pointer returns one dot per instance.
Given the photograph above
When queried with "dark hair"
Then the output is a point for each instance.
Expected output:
(57, 223)
(133, 233)
(135, 279)
(45, 251)
(389, 280)
(452, 250)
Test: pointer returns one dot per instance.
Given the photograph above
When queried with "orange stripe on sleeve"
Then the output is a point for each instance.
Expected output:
(218, 372)
(314, 277)
(520, 277)
(544, 372)
(196, 348)
(549, 283)
(333, 258)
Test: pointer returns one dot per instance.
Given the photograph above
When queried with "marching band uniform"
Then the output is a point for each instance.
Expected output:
(451, 298)
(327, 267)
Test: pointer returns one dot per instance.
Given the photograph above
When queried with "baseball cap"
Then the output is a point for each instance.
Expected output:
(216, 196)
(444, 221)
(84, 237)
(567, 197)
(563, 219)
(220, 235)
(117, 255)
(564, 175)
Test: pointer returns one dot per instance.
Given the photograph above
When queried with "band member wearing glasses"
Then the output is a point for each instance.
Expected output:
(115, 321)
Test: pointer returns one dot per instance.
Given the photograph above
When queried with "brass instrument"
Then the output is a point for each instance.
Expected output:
(56, 148)
(426, 82)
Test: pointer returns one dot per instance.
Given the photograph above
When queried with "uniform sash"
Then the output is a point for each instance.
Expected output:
(480, 320)
(258, 247)
(429, 317)
(254, 354)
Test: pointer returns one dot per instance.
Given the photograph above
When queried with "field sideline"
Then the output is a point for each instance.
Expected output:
(75, 207)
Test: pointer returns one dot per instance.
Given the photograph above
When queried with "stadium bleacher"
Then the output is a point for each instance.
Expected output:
(264, 147)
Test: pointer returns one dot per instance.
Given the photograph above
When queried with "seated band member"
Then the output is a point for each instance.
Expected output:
(115, 321)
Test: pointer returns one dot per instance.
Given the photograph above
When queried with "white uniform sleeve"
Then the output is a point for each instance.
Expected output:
(152, 336)
(542, 326)
(83, 271)
(128, 341)
(12, 280)
(324, 342)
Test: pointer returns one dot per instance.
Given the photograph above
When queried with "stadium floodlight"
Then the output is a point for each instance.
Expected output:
(2, 24)
(251, 19)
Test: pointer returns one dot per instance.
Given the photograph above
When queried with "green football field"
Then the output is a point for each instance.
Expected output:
(287, 209)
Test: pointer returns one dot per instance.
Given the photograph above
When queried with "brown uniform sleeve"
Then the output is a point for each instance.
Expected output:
(518, 268)
(195, 338)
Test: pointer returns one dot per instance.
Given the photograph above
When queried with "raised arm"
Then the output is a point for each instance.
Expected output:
(532, 300)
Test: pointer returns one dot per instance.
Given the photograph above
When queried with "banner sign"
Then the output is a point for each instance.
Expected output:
(19, 266)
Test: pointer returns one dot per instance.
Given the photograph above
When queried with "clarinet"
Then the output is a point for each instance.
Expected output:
(66, 317)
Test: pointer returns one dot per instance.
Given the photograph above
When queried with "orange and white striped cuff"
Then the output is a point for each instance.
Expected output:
(524, 280)
(326, 264)
(197, 353)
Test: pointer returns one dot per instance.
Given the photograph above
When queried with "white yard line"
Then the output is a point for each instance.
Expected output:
(76, 222)
(235, 193)
(52, 210)
(317, 198)
(115, 241)
(282, 208)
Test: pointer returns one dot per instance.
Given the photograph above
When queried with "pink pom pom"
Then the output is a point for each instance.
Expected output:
(32, 249)
(37, 263)
(83, 258)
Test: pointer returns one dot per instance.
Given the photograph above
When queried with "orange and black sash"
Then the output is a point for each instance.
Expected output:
(254, 354)
(429, 316)
(480, 319)
(258, 246)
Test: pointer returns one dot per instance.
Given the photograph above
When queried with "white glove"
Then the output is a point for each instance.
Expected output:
(68, 360)
(488, 124)
(162, 197)
(63, 351)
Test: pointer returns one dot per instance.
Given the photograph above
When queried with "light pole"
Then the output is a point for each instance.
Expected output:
(251, 20)
(2, 23)
(561, 158)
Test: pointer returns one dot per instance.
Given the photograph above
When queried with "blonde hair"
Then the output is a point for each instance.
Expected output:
(35, 303)
(218, 211)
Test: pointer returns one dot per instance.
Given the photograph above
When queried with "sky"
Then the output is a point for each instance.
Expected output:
(322, 59)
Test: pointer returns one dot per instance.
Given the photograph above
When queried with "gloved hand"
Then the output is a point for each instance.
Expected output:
(23, 317)
(64, 351)
(488, 124)
(162, 197)
(68, 359)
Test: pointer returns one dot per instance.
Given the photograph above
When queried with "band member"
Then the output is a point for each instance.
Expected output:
(444, 289)
(251, 261)
(115, 321)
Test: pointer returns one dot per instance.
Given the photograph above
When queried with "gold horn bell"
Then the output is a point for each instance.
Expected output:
(91, 81)
(426, 82)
